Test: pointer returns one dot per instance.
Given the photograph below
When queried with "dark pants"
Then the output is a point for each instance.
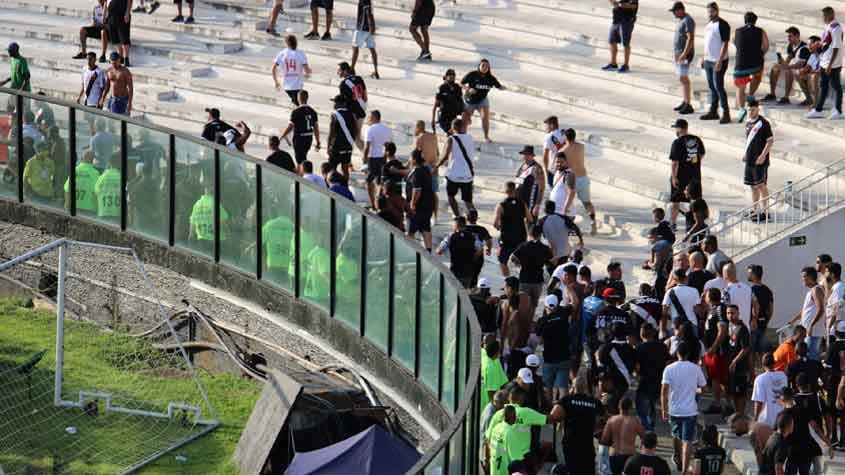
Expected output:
(645, 409)
(827, 81)
(660, 282)
(580, 460)
(716, 83)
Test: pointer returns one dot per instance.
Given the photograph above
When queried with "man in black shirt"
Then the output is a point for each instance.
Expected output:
(531, 257)
(809, 412)
(710, 459)
(835, 363)
(620, 359)
(280, 158)
(698, 276)
(463, 248)
(450, 102)
(342, 133)
(579, 413)
(214, 129)
(803, 365)
(739, 352)
(624, 16)
(762, 308)
(553, 330)
(686, 154)
(421, 18)
(751, 44)
(477, 84)
(797, 54)
(759, 141)
(613, 280)
(652, 356)
(485, 306)
(483, 237)
(716, 359)
(421, 199)
(305, 127)
(352, 87)
(647, 462)
(776, 451)
(511, 216)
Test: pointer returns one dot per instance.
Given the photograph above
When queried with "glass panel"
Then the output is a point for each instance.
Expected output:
(436, 465)
(105, 146)
(194, 197)
(46, 154)
(450, 299)
(348, 264)
(237, 212)
(462, 352)
(430, 325)
(404, 302)
(456, 452)
(8, 157)
(314, 255)
(378, 242)
(278, 218)
(468, 446)
(148, 182)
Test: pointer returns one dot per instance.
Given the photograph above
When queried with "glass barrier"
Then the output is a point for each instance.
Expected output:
(46, 155)
(347, 242)
(314, 246)
(437, 465)
(194, 201)
(148, 182)
(456, 452)
(237, 213)
(450, 317)
(429, 325)
(404, 302)
(278, 217)
(8, 146)
(105, 145)
(377, 268)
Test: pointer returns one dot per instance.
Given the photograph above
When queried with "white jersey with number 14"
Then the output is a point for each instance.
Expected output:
(292, 62)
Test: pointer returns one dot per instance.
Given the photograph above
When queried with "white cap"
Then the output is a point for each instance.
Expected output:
(532, 361)
(483, 283)
(551, 301)
(526, 375)
(840, 326)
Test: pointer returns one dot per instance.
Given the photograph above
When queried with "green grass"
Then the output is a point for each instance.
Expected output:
(32, 431)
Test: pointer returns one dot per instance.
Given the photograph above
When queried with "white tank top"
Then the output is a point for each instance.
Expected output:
(808, 313)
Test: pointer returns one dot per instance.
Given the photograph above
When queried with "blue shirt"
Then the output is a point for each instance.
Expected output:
(589, 308)
(342, 190)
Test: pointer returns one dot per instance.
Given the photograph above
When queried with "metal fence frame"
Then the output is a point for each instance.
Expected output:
(467, 356)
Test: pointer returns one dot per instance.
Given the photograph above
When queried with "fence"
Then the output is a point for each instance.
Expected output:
(262, 221)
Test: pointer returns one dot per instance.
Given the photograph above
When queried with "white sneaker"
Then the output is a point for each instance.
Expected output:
(835, 115)
(814, 114)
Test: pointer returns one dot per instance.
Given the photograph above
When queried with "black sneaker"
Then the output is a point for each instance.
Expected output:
(624, 68)
(126, 63)
(769, 98)
(713, 410)
(679, 106)
(783, 101)
(154, 7)
(686, 109)
(426, 56)
(178, 19)
(80, 55)
(610, 67)
(102, 58)
(326, 36)
(726, 118)
(712, 115)
(139, 10)
(312, 36)
(189, 20)
(272, 32)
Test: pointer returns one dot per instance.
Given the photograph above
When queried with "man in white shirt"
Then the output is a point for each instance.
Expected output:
(738, 293)
(295, 67)
(461, 171)
(552, 143)
(93, 91)
(680, 301)
(768, 388)
(717, 36)
(831, 66)
(95, 31)
(811, 313)
(308, 174)
(715, 257)
(563, 186)
(835, 304)
(376, 135)
(681, 381)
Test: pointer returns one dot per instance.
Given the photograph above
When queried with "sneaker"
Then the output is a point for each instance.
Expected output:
(126, 63)
(742, 113)
(807, 103)
(835, 115)
(769, 98)
(189, 20)
(80, 55)
(312, 36)
(609, 67)
(624, 68)
(426, 56)
(102, 58)
(679, 106)
(712, 115)
(686, 109)
(271, 32)
(375, 75)
(783, 101)
(726, 118)
(326, 36)
(139, 10)
(154, 7)
(178, 19)
(814, 114)
(713, 410)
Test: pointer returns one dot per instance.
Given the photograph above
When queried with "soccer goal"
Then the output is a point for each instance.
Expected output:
(94, 377)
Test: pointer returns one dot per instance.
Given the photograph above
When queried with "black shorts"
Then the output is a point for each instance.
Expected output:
(327, 5)
(756, 174)
(375, 165)
(423, 17)
(737, 383)
(93, 31)
(179, 2)
(505, 251)
(340, 157)
(301, 146)
(294, 96)
(676, 194)
(420, 222)
(445, 122)
(621, 32)
(617, 463)
(452, 189)
(119, 32)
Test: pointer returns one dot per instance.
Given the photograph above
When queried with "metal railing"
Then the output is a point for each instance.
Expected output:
(785, 209)
(264, 222)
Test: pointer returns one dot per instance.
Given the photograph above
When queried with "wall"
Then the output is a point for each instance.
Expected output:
(782, 263)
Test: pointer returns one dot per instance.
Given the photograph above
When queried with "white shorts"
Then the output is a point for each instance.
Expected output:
(582, 188)
(363, 39)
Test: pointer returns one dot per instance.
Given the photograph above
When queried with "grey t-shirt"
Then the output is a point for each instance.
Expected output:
(686, 25)
(557, 234)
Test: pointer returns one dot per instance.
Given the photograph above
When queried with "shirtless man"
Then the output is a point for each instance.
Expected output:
(620, 434)
(426, 142)
(574, 152)
(119, 81)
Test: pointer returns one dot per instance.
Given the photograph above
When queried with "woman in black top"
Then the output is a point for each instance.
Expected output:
(477, 85)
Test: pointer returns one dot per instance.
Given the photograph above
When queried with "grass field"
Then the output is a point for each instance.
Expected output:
(33, 435)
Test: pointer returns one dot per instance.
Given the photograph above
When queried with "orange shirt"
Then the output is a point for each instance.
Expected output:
(784, 354)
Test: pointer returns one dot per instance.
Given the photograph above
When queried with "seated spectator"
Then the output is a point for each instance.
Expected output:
(809, 74)
(95, 31)
(308, 174)
(391, 205)
(797, 54)
(338, 185)
(279, 157)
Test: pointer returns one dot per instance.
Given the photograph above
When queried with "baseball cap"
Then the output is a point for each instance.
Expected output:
(551, 301)
(680, 124)
(676, 6)
(214, 112)
(527, 150)
(752, 101)
(840, 327)
(532, 361)
(526, 375)
(483, 283)
(610, 293)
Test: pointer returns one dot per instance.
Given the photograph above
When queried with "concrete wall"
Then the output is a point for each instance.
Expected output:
(782, 263)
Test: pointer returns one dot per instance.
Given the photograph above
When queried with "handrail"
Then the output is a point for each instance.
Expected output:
(458, 362)
(793, 204)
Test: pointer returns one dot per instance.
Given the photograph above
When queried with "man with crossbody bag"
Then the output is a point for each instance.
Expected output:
(93, 84)
(461, 171)
(342, 133)
(680, 302)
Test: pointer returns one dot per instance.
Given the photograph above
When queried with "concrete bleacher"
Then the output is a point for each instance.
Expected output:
(550, 66)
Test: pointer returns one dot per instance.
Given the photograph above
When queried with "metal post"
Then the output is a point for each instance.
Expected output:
(171, 191)
(418, 317)
(259, 217)
(456, 396)
(442, 319)
(362, 321)
(391, 288)
(124, 154)
(60, 325)
(19, 143)
(71, 140)
(217, 230)
(297, 224)
(332, 258)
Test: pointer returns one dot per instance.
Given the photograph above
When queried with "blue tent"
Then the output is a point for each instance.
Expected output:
(373, 451)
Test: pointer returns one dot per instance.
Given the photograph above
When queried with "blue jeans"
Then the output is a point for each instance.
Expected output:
(716, 83)
(683, 428)
(814, 347)
(758, 340)
(118, 105)
(646, 409)
(830, 80)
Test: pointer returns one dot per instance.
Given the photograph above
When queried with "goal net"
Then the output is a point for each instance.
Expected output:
(94, 377)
